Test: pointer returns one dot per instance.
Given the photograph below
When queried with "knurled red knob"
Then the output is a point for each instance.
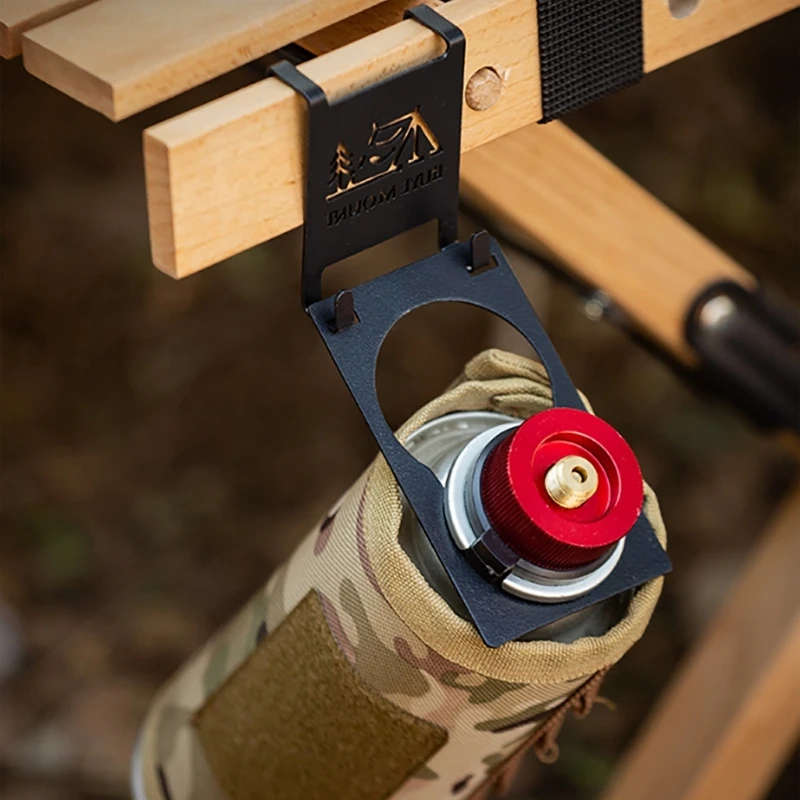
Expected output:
(525, 514)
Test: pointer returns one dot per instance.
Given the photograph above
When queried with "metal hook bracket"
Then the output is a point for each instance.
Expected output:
(382, 161)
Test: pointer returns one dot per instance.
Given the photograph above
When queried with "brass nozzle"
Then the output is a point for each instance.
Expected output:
(571, 481)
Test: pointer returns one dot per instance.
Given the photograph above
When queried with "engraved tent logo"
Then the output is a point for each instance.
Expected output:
(391, 146)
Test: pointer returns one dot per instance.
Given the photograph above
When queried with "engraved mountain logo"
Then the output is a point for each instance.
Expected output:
(405, 140)
(401, 145)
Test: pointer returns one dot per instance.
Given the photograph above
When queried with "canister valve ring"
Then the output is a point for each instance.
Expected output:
(562, 489)
(543, 506)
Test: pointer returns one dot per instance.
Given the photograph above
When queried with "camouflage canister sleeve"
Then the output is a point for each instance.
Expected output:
(347, 676)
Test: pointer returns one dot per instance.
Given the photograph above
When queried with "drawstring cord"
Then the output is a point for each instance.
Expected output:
(544, 740)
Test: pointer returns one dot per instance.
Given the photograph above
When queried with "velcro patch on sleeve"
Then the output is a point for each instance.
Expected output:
(295, 720)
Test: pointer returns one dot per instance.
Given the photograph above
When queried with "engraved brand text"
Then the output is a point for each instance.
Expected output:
(423, 177)
(400, 146)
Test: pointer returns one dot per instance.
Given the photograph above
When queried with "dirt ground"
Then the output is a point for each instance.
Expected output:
(165, 445)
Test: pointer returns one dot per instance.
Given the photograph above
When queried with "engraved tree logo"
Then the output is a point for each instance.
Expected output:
(342, 170)
(390, 146)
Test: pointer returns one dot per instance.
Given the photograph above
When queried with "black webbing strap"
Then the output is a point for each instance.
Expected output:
(587, 49)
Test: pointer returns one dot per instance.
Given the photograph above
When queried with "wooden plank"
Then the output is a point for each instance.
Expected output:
(731, 716)
(120, 57)
(227, 176)
(547, 185)
(357, 27)
(668, 38)
(19, 16)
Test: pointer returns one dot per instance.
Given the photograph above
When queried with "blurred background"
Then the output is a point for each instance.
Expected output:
(165, 445)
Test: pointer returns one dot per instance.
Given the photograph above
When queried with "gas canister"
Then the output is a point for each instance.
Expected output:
(356, 672)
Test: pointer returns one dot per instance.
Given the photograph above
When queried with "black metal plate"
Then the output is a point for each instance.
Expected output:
(379, 304)
(381, 160)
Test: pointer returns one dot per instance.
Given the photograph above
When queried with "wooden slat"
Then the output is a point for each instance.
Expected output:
(227, 176)
(731, 716)
(19, 16)
(357, 27)
(120, 56)
(667, 39)
(548, 185)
